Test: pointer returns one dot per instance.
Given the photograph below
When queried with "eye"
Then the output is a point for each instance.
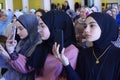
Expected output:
(85, 25)
(91, 25)
(20, 28)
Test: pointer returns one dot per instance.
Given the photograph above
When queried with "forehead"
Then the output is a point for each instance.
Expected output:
(90, 19)
(82, 9)
(18, 24)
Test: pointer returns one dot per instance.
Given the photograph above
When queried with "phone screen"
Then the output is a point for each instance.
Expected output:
(59, 38)
(12, 33)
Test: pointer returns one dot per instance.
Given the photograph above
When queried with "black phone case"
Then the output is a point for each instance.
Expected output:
(59, 38)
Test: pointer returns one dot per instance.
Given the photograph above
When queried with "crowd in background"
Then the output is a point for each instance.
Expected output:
(76, 19)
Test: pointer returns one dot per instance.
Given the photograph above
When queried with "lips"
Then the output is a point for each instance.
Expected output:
(87, 35)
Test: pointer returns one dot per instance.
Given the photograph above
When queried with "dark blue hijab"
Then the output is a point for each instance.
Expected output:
(54, 20)
(59, 20)
(30, 23)
(108, 28)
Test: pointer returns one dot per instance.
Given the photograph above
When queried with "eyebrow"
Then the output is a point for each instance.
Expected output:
(92, 22)
(19, 27)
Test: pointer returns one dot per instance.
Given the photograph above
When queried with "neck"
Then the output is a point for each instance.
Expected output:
(100, 47)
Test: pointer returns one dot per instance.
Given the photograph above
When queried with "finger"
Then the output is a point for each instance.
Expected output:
(63, 50)
(55, 49)
(15, 42)
(0, 45)
(58, 46)
(1, 48)
(10, 36)
(9, 40)
(55, 45)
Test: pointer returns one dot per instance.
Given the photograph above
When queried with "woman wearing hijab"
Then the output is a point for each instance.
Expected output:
(100, 62)
(27, 26)
(41, 64)
(57, 20)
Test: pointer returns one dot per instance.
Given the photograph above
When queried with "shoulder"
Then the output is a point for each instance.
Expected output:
(115, 52)
(71, 48)
(71, 51)
(85, 52)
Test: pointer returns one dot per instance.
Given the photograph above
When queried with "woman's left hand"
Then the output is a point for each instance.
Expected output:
(4, 52)
(11, 43)
(59, 55)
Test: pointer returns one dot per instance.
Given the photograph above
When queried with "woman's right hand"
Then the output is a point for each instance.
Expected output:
(59, 55)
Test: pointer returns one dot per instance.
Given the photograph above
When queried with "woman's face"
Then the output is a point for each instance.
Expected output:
(43, 30)
(38, 14)
(92, 31)
(109, 12)
(82, 13)
(21, 31)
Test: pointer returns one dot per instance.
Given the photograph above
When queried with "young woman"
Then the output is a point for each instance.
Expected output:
(41, 64)
(100, 62)
(27, 26)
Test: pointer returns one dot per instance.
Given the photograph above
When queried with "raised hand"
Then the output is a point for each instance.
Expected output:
(11, 43)
(4, 53)
(59, 55)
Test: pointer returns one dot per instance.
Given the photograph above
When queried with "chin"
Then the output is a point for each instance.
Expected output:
(89, 40)
(22, 38)
(44, 38)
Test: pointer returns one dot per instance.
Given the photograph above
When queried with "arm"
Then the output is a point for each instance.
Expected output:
(71, 74)
(4, 54)
(18, 62)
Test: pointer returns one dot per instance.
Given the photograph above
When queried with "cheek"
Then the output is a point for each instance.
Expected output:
(47, 33)
(24, 35)
(97, 34)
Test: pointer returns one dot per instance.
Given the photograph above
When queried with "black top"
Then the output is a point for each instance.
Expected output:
(109, 64)
(87, 69)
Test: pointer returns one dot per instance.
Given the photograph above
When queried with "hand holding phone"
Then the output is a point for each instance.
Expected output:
(13, 31)
(59, 39)
(12, 34)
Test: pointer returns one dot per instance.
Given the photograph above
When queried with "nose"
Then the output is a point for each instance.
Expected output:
(86, 30)
(18, 31)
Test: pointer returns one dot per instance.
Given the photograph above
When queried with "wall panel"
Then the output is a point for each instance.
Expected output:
(17, 4)
(35, 4)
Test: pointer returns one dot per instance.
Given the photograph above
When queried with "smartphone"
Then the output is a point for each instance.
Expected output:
(12, 34)
(59, 38)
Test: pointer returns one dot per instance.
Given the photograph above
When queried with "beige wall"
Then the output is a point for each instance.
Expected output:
(3, 2)
(35, 4)
(17, 4)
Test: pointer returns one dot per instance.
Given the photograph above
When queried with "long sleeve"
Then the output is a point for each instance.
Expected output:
(79, 72)
(71, 74)
(3, 62)
(19, 64)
